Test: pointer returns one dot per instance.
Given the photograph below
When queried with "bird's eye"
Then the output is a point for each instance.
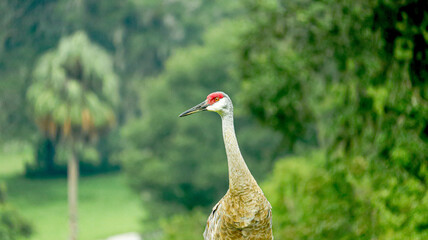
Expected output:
(216, 99)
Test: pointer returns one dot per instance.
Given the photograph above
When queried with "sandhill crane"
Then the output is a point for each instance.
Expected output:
(244, 212)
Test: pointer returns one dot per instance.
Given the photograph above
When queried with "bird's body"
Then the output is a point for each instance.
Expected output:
(244, 212)
(231, 219)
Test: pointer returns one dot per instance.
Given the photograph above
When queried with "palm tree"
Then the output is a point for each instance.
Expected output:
(73, 95)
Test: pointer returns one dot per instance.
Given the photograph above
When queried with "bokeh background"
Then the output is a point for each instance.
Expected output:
(331, 111)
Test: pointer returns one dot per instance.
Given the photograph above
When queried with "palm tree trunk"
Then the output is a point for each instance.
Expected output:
(73, 175)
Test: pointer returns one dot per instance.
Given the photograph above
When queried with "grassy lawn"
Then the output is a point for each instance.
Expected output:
(106, 205)
(13, 157)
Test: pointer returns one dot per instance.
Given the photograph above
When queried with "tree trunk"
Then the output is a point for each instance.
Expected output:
(73, 175)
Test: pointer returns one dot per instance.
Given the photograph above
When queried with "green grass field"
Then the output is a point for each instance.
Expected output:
(106, 204)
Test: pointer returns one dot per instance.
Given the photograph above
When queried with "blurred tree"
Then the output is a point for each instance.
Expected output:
(182, 164)
(73, 95)
(348, 77)
(12, 225)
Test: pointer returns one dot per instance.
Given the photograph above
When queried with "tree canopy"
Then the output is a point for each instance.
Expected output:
(348, 78)
(74, 89)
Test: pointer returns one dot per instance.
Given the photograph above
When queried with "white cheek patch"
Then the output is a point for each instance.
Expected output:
(218, 106)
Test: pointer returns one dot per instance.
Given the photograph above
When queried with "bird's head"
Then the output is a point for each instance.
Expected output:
(216, 102)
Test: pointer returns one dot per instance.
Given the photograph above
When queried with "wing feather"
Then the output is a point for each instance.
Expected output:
(213, 222)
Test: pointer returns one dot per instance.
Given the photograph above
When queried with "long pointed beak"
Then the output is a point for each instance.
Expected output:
(198, 108)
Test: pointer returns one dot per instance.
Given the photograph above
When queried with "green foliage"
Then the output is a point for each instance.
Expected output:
(12, 225)
(181, 162)
(189, 226)
(44, 157)
(311, 203)
(348, 77)
(151, 30)
(28, 29)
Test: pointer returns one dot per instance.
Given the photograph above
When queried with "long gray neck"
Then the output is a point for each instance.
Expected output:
(239, 175)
